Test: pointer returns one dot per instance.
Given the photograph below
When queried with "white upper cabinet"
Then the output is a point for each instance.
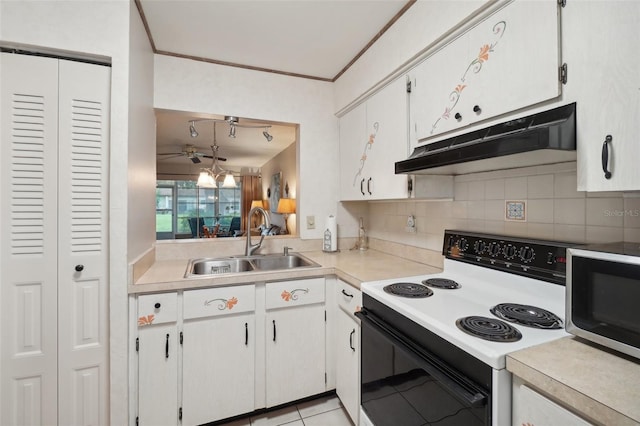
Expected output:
(373, 136)
(601, 44)
(507, 61)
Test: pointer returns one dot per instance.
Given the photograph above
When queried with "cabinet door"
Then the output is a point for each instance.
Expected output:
(604, 84)
(387, 123)
(218, 368)
(158, 375)
(295, 353)
(348, 363)
(354, 149)
(505, 62)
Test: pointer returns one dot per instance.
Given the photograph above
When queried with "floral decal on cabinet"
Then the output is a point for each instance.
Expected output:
(475, 67)
(146, 320)
(293, 294)
(367, 147)
(222, 303)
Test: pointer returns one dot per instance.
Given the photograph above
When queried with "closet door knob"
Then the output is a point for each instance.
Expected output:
(79, 268)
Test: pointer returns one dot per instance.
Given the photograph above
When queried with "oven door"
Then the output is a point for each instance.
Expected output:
(402, 383)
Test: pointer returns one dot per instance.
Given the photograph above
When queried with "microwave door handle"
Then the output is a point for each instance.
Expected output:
(473, 399)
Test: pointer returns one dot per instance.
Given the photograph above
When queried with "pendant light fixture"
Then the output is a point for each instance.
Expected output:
(209, 177)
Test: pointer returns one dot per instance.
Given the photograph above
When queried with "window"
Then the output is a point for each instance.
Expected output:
(181, 205)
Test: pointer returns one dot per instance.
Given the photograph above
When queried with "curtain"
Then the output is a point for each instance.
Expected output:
(251, 190)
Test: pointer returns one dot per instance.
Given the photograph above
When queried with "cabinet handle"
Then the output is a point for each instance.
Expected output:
(369, 186)
(351, 339)
(347, 294)
(246, 334)
(477, 109)
(361, 186)
(157, 305)
(458, 116)
(605, 156)
(79, 268)
(274, 330)
(166, 347)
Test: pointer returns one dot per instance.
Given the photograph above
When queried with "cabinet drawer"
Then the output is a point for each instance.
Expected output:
(157, 308)
(211, 302)
(349, 298)
(295, 293)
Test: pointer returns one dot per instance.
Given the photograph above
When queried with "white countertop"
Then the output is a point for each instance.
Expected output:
(352, 266)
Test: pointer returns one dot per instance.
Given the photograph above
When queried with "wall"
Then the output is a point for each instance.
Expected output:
(182, 84)
(554, 210)
(284, 162)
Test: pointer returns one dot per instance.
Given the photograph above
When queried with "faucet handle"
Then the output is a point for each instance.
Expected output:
(286, 250)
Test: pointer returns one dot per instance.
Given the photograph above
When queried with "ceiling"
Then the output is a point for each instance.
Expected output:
(317, 39)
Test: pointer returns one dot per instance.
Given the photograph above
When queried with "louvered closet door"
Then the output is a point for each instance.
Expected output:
(28, 239)
(82, 235)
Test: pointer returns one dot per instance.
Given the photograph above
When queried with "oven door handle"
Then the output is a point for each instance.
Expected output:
(473, 399)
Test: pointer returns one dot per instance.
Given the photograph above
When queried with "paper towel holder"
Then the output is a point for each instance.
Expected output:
(329, 237)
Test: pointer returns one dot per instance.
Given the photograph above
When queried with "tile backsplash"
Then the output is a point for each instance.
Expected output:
(554, 209)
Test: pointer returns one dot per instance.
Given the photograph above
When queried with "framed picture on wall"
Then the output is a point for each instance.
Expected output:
(275, 195)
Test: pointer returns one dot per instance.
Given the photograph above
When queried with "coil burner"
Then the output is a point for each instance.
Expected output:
(441, 283)
(489, 329)
(530, 316)
(408, 290)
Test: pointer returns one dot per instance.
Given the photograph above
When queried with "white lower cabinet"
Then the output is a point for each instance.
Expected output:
(295, 340)
(157, 345)
(218, 353)
(533, 408)
(204, 355)
(347, 347)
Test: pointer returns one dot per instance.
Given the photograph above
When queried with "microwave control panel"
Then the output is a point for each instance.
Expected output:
(540, 259)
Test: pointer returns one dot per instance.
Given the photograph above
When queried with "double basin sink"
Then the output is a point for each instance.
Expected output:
(242, 264)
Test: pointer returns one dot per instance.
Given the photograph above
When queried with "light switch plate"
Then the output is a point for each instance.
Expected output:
(311, 222)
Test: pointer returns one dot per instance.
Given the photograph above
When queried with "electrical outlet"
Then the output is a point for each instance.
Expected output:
(311, 222)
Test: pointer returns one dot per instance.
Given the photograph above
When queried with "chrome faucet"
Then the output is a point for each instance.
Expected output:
(251, 248)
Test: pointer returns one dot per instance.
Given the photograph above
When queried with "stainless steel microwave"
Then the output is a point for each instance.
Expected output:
(603, 295)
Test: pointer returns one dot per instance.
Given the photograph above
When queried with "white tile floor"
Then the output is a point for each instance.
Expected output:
(326, 411)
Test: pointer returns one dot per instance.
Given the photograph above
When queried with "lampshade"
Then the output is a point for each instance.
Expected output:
(286, 205)
(205, 180)
(229, 181)
(257, 203)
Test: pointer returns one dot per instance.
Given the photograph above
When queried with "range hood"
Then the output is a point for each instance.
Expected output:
(544, 138)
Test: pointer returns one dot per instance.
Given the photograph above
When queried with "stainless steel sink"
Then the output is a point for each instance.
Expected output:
(290, 261)
(245, 264)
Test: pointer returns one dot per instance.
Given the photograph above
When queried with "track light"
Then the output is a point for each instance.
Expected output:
(192, 129)
(267, 136)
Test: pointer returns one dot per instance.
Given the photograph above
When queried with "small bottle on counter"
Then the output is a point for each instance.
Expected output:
(363, 240)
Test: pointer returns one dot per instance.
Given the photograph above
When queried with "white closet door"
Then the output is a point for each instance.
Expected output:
(82, 243)
(28, 235)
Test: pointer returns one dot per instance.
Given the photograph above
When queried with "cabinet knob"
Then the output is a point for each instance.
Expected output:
(477, 109)
(79, 268)
(458, 116)
(157, 305)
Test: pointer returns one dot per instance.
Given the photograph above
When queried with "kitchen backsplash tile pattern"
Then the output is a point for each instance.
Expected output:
(554, 210)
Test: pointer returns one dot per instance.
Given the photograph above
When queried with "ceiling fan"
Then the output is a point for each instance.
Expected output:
(189, 151)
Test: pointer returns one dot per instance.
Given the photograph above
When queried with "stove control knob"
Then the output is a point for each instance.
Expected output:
(494, 249)
(480, 246)
(463, 244)
(527, 254)
(509, 251)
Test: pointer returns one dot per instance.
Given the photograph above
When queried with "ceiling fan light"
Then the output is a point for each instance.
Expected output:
(192, 129)
(267, 136)
(229, 181)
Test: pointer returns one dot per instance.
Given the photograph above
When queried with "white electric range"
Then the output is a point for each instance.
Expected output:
(423, 361)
